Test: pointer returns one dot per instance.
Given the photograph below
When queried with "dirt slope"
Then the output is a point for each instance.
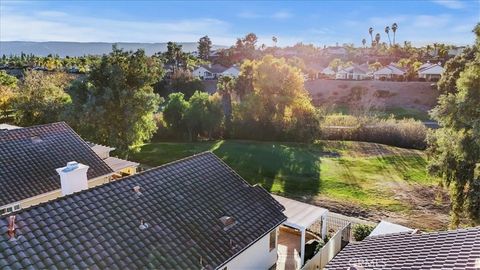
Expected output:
(414, 95)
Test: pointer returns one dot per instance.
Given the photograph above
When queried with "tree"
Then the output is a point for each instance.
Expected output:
(364, 41)
(41, 98)
(275, 40)
(453, 68)
(8, 86)
(174, 55)
(277, 108)
(244, 82)
(387, 31)
(203, 115)
(183, 81)
(454, 149)
(377, 39)
(226, 87)
(174, 112)
(394, 29)
(204, 48)
(370, 31)
(115, 103)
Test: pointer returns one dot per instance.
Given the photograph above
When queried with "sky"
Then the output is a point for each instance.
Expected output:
(317, 22)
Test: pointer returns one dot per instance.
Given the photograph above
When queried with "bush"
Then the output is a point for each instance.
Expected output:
(408, 133)
(361, 231)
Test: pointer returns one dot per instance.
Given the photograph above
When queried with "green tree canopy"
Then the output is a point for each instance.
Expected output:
(41, 98)
(455, 148)
(279, 104)
(8, 85)
(115, 104)
(204, 48)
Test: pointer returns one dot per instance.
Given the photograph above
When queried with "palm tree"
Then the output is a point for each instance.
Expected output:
(364, 41)
(394, 29)
(226, 87)
(370, 31)
(377, 38)
(387, 30)
(275, 40)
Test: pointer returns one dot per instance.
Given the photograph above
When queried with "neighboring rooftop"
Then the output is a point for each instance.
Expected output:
(29, 157)
(8, 127)
(459, 249)
(385, 227)
(169, 217)
(215, 68)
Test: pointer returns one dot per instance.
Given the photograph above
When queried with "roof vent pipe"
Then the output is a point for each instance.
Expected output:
(11, 227)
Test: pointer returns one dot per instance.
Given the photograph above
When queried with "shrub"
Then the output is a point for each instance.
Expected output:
(361, 231)
(408, 133)
(383, 94)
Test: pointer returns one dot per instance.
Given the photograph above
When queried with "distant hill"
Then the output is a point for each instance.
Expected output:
(85, 48)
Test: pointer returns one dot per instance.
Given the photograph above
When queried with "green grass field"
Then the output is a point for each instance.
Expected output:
(362, 174)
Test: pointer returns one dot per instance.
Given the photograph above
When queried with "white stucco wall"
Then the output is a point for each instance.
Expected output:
(258, 256)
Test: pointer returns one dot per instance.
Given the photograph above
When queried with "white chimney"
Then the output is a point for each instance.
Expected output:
(73, 177)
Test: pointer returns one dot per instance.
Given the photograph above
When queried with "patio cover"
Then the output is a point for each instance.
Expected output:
(119, 164)
(300, 215)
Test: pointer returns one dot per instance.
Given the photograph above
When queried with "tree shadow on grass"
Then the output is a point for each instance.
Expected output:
(284, 168)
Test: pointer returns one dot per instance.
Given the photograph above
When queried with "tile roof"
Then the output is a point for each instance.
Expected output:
(215, 68)
(459, 249)
(182, 202)
(29, 157)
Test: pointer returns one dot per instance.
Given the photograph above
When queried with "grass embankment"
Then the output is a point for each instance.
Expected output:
(366, 175)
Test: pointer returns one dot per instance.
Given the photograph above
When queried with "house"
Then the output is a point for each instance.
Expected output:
(194, 213)
(328, 72)
(457, 249)
(30, 156)
(430, 72)
(457, 50)
(233, 71)
(335, 51)
(353, 72)
(389, 72)
(209, 72)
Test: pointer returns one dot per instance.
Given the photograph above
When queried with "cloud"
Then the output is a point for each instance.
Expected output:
(248, 15)
(282, 15)
(451, 4)
(279, 15)
(429, 21)
(50, 25)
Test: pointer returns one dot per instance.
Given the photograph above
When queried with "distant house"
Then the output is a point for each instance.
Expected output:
(335, 51)
(30, 159)
(353, 72)
(390, 72)
(456, 249)
(328, 72)
(430, 72)
(233, 71)
(456, 51)
(209, 72)
(195, 213)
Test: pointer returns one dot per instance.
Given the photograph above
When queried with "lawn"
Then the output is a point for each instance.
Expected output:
(367, 175)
